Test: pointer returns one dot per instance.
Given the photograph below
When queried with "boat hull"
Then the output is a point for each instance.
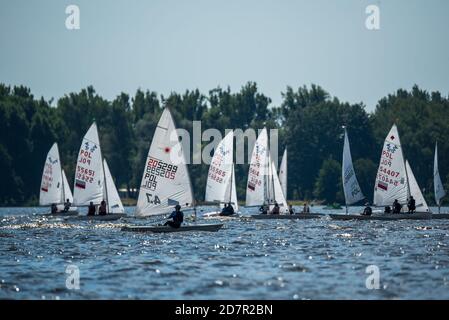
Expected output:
(216, 214)
(108, 217)
(62, 214)
(400, 216)
(287, 217)
(167, 229)
(438, 216)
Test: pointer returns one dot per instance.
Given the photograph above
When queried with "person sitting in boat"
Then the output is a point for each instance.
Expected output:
(91, 209)
(290, 209)
(276, 209)
(305, 208)
(387, 210)
(177, 216)
(397, 207)
(102, 210)
(367, 211)
(67, 205)
(54, 208)
(411, 205)
(263, 209)
(227, 210)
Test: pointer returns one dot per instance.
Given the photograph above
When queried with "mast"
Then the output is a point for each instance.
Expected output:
(230, 191)
(408, 182)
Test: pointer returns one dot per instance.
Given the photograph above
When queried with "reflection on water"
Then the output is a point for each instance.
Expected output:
(303, 259)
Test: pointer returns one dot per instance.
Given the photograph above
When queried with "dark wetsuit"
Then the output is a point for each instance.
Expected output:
(397, 207)
(263, 210)
(411, 205)
(227, 211)
(91, 210)
(178, 218)
(102, 211)
(67, 206)
(54, 209)
(367, 211)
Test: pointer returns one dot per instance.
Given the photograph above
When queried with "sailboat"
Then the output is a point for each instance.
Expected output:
(264, 186)
(353, 192)
(93, 180)
(438, 187)
(54, 186)
(220, 186)
(165, 180)
(393, 181)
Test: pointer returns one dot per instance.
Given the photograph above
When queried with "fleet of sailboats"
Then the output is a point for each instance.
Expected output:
(394, 181)
(166, 181)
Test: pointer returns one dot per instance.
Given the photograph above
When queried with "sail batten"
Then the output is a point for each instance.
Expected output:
(353, 192)
(165, 180)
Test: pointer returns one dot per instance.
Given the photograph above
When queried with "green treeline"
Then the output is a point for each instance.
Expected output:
(309, 122)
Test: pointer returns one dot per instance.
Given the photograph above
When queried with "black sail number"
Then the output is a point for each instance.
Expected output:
(153, 199)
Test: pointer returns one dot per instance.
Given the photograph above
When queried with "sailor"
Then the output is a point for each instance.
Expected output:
(263, 209)
(227, 210)
(102, 210)
(290, 209)
(396, 206)
(91, 209)
(54, 208)
(276, 209)
(387, 210)
(177, 216)
(411, 205)
(67, 205)
(367, 211)
(305, 208)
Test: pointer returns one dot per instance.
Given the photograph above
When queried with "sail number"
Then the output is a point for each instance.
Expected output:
(161, 169)
(389, 172)
(85, 174)
(153, 199)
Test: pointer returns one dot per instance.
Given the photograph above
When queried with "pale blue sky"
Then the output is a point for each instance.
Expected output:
(177, 45)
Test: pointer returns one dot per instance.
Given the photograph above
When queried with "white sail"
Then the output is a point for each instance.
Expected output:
(353, 192)
(277, 188)
(67, 192)
(51, 182)
(89, 175)
(437, 184)
(256, 190)
(283, 173)
(113, 199)
(391, 180)
(415, 191)
(234, 192)
(165, 181)
(220, 182)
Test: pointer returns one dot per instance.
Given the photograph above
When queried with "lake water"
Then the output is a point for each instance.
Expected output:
(247, 259)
